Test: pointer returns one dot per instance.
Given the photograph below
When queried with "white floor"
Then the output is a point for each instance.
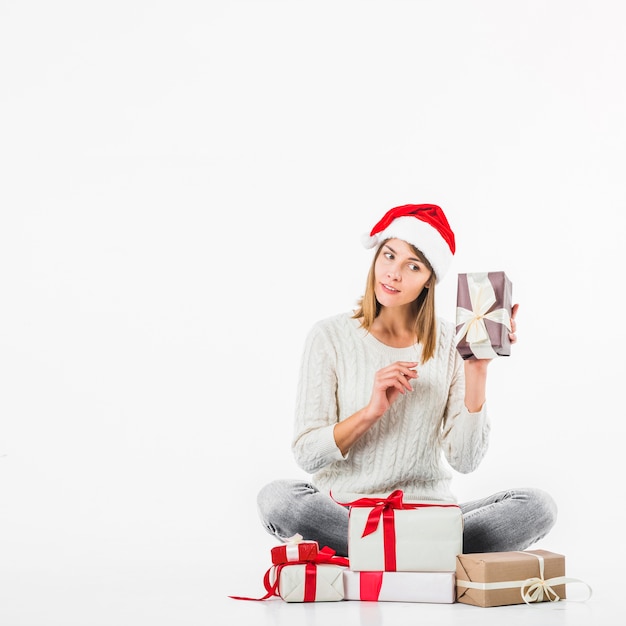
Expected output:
(603, 608)
(398, 614)
(126, 588)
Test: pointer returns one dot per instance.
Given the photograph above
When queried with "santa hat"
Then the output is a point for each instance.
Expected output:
(423, 225)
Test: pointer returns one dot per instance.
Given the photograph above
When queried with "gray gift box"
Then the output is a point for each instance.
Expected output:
(484, 303)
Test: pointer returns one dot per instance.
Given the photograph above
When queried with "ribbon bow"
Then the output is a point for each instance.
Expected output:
(537, 586)
(328, 555)
(382, 508)
(534, 590)
(482, 298)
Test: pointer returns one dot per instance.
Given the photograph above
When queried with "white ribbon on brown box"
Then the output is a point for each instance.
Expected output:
(533, 589)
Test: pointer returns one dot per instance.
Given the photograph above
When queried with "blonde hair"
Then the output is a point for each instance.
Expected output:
(425, 325)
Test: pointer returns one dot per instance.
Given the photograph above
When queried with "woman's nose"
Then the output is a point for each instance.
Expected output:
(394, 272)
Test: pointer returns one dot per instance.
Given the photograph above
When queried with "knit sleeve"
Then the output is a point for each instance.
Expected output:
(313, 442)
(465, 435)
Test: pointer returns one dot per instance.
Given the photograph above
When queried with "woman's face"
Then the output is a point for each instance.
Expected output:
(400, 275)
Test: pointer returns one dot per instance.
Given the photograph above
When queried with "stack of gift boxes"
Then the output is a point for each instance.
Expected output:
(413, 551)
(301, 572)
(401, 551)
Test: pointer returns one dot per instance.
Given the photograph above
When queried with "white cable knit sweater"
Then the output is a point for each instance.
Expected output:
(408, 447)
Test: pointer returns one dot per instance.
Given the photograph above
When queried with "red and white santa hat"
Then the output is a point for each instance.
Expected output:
(423, 225)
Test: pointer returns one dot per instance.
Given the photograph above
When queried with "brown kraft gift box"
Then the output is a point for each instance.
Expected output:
(484, 285)
(506, 567)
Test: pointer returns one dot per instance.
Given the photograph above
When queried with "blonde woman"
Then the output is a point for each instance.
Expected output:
(385, 402)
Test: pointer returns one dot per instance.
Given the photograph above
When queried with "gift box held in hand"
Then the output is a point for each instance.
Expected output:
(483, 315)
(501, 578)
(433, 587)
(294, 549)
(390, 535)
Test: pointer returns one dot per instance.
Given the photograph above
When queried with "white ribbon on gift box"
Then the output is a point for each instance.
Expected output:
(292, 549)
(532, 589)
(482, 297)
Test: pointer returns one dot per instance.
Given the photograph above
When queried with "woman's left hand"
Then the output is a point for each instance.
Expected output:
(476, 373)
(512, 334)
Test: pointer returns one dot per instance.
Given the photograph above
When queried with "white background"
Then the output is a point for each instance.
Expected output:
(183, 190)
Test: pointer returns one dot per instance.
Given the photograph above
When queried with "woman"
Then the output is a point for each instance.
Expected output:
(384, 397)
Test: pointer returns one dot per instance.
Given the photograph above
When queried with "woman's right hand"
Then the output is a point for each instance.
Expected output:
(389, 383)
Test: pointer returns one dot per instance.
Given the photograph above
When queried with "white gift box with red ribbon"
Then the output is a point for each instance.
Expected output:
(311, 582)
(433, 587)
(319, 579)
(390, 535)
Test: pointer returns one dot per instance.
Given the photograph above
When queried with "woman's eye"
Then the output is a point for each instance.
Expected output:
(389, 256)
(414, 267)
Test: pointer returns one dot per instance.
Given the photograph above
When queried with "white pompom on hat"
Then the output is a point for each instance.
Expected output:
(425, 226)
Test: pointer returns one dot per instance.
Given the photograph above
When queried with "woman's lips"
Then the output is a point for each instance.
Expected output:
(389, 289)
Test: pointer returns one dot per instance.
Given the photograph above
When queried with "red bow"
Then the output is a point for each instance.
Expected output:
(381, 507)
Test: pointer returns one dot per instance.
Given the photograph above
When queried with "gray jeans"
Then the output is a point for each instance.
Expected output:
(506, 521)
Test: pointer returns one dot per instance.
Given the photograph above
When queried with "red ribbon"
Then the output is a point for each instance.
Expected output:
(310, 582)
(369, 585)
(385, 508)
(325, 556)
